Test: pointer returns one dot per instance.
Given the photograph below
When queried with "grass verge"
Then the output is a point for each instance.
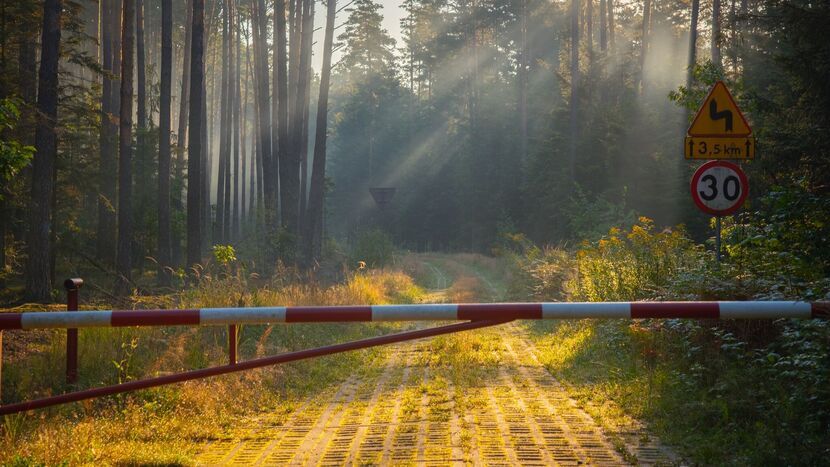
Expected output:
(166, 425)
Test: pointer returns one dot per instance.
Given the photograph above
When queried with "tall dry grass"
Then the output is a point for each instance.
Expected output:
(163, 425)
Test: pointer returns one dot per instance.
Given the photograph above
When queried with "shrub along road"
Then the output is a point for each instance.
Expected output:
(479, 397)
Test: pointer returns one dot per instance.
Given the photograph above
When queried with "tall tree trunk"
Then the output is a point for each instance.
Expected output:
(314, 218)
(208, 122)
(123, 260)
(644, 45)
(141, 66)
(716, 39)
(281, 106)
(603, 25)
(237, 99)
(181, 133)
(574, 85)
(38, 284)
(194, 144)
(611, 26)
(105, 234)
(226, 227)
(523, 83)
(269, 164)
(589, 30)
(308, 35)
(690, 64)
(224, 126)
(164, 248)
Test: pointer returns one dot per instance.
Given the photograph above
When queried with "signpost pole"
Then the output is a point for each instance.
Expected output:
(717, 236)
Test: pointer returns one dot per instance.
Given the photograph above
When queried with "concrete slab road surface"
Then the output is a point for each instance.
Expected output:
(413, 412)
(474, 398)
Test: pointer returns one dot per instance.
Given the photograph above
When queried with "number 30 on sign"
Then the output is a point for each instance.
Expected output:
(719, 188)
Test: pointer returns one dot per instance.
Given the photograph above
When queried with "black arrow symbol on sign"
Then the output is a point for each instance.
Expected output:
(748, 145)
(723, 114)
(691, 146)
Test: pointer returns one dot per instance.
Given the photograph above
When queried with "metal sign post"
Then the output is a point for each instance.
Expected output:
(719, 131)
(719, 188)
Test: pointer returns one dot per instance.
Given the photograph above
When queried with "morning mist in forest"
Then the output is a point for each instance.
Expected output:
(290, 128)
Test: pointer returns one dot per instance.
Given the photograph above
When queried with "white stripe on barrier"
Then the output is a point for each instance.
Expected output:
(764, 310)
(265, 314)
(439, 311)
(66, 319)
(566, 310)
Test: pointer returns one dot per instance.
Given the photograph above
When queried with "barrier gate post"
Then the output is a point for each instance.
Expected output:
(72, 286)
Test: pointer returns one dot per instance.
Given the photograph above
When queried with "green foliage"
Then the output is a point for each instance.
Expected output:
(372, 247)
(749, 392)
(224, 254)
(13, 155)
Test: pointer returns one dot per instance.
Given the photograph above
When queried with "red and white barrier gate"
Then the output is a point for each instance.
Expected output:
(477, 315)
(420, 312)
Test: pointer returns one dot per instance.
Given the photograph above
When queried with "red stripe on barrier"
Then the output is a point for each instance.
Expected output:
(11, 321)
(820, 310)
(706, 310)
(311, 314)
(155, 318)
(500, 311)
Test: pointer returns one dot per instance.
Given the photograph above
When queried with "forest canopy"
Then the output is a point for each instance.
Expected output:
(138, 134)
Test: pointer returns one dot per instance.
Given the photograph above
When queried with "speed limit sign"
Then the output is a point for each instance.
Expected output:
(719, 188)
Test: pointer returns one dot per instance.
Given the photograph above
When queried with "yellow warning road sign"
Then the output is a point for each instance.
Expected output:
(719, 116)
(719, 148)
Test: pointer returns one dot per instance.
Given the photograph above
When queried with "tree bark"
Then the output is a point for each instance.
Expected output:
(164, 248)
(38, 284)
(308, 36)
(123, 259)
(589, 29)
(269, 164)
(224, 126)
(312, 237)
(226, 227)
(181, 133)
(611, 26)
(644, 45)
(141, 67)
(237, 98)
(716, 57)
(692, 60)
(523, 82)
(194, 149)
(281, 94)
(574, 85)
(105, 234)
(603, 25)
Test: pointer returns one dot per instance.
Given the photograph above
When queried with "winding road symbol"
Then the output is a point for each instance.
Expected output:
(722, 115)
(719, 116)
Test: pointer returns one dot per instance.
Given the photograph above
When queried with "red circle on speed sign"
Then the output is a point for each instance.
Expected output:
(719, 188)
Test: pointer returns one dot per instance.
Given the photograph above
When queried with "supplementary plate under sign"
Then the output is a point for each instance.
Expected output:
(719, 148)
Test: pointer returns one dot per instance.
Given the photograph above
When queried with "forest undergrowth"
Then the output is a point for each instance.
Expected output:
(752, 392)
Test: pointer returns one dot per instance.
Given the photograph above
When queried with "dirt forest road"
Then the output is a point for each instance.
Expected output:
(479, 398)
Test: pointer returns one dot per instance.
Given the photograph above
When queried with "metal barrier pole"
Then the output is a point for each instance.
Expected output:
(232, 341)
(1, 366)
(72, 286)
(246, 365)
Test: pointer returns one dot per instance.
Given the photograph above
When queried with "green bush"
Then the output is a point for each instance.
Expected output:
(372, 247)
(726, 392)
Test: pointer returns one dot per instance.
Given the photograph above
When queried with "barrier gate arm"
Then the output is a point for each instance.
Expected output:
(417, 312)
(476, 315)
